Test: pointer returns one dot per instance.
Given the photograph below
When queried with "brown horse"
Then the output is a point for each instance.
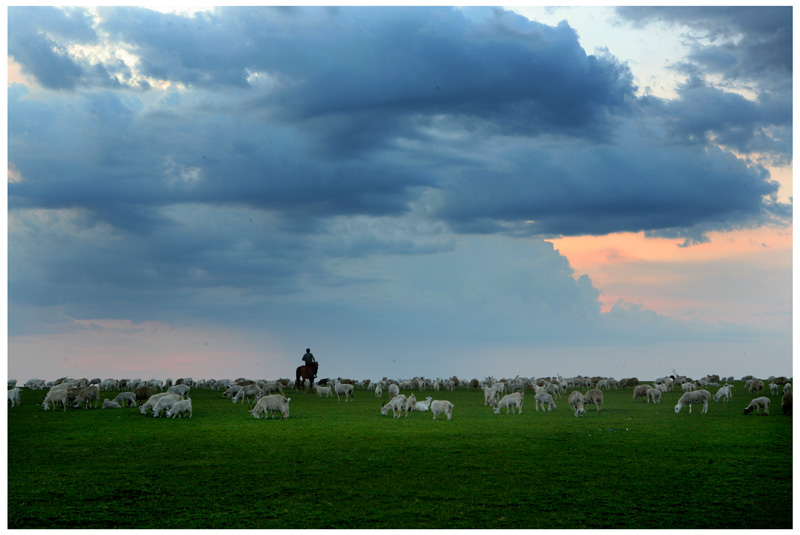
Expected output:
(306, 372)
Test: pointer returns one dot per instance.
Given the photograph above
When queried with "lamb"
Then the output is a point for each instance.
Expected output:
(323, 390)
(111, 404)
(724, 393)
(56, 397)
(510, 401)
(127, 399)
(397, 404)
(654, 395)
(344, 389)
(786, 403)
(576, 402)
(545, 400)
(165, 404)
(14, 395)
(593, 397)
(422, 406)
(180, 408)
(757, 404)
(690, 398)
(640, 392)
(442, 406)
(270, 404)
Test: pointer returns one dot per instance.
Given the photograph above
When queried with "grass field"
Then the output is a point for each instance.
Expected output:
(337, 465)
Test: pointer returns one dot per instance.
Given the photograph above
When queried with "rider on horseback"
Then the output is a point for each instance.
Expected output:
(308, 358)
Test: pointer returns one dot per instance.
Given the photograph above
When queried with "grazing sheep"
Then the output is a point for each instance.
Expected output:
(576, 402)
(654, 395)
(724, 393)
(756, 387)
(152, 401)
(640, 392)
(268, 387)
(165, 404)
(14, 395)
(773, 389)
(323, 390)
(397, 404)
(180, 408)
(54, 397)
(270, 404)
(786, 403)
(111, 404)
(442, 406)
(593, 397)
(86, 396)
(510, 401)
(690, 398)
(127, 399)
(757, 404)
(247, 392)
(545, 400)
(180, 389)
(345, 390)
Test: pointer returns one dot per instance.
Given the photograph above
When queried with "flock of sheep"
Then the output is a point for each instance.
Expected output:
(267, 397)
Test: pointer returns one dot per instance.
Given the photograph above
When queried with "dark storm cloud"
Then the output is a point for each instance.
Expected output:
(342, 134)
(636, 184)
(747, 42)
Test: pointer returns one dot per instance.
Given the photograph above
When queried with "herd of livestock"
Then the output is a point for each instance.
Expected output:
(267, 398)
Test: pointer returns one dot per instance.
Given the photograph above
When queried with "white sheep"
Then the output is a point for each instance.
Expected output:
(165, 404)
(247, 392)
(423, 406)
(654, 395)
(378, 391)
(787, 387)
(397, 404)
(14, 395)
(773, 389)
(127, 399)
(594, 397)
(345, 390)
(490, 396)
(152, 401)
(724, 393)
(394, 390)
(757, 404)
(442, 406)
(576, 402)
(510, 401)
(180, 408)
(690, 398)
(323, 391)
(268, 405)
(54, 397)
(546, 400)
(688, 387)
(111, 404)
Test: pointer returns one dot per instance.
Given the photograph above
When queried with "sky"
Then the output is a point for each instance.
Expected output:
(407, 191)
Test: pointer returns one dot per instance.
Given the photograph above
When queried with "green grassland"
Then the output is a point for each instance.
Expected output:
(344, 465)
